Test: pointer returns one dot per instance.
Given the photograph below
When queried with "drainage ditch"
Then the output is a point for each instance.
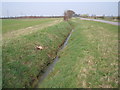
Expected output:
(51, 66)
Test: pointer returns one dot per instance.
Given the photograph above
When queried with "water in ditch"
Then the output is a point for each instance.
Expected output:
(51, 66)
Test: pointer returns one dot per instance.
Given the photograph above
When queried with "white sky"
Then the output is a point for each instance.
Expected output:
(60, 0)
(57, 7)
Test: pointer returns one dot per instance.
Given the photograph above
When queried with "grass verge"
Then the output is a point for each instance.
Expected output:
(22, 62)
(90, 59)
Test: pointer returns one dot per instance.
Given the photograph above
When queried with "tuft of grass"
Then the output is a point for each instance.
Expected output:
(90, 59)
(22, 62)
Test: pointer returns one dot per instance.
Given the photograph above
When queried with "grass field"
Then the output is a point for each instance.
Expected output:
(16, 24)
(26, 30)
(90, 59)
(22, 62)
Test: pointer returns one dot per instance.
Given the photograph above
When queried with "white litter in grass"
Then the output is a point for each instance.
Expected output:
(39, 47)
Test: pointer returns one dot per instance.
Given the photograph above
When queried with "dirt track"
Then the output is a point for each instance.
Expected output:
(109, 22)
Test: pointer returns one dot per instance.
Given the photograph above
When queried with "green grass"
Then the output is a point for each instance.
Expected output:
(90, 59)
(16, 24)
(22, 62)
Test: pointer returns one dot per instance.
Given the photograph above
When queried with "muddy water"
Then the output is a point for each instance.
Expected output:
(51, 66)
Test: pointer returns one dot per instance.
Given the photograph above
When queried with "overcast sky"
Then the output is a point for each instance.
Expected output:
(58, 8)
(60, 0)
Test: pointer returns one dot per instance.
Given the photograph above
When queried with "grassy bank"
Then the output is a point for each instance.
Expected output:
(90, 59)
(22, 62)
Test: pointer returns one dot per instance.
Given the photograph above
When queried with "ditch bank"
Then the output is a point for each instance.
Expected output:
(23, 64)
(50, 66)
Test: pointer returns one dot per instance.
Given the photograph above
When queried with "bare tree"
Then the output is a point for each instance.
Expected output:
(68, 14)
